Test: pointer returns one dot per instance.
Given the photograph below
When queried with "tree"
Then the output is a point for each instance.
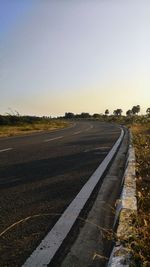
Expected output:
(148, 111)
(106, 112)
(136, 109)
(117, 112)
(129, 112)
(96, 115)
(85, 115)
(69, 115)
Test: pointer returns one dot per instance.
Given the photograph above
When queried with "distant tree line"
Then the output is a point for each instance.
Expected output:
(16, 119)
(117, 112)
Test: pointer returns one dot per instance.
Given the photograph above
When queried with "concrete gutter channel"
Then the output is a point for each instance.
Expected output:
(127, 205)
(93, 244)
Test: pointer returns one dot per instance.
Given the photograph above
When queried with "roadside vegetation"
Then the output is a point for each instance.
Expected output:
(11, 125)
(140, 242)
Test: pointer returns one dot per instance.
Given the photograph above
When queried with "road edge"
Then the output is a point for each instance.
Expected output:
(127, 205)
(47, 249)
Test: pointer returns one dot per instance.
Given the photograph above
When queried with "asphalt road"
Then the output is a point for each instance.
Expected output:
(40, 174)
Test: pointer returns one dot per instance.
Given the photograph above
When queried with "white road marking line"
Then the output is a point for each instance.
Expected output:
(48, 140)
(63, 129)
(6, 149)
(77, 132)
(84, 130)
(44, 253)
(89, 128)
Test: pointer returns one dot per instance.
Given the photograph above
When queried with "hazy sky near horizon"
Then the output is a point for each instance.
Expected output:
(58, 56)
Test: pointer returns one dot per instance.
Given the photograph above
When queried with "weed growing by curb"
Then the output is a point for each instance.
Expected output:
(140, 243)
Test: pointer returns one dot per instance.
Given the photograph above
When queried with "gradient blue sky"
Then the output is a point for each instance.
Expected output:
(79, 56)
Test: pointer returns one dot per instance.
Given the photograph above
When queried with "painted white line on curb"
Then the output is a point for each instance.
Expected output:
(4, 150)
(45, 252)
(48, 140)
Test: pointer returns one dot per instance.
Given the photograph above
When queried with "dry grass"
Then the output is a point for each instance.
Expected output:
(26, 128)
(140, 241)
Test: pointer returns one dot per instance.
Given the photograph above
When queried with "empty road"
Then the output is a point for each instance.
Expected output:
(40, 174)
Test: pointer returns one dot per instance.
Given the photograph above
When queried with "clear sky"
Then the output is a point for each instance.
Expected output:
(60, 56)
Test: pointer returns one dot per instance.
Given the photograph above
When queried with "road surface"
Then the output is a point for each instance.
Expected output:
(40, 174)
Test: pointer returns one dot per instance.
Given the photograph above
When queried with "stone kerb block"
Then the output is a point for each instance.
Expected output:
(126, 206)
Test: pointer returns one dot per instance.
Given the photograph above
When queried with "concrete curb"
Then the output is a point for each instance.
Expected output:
(47, 249)
(127, 205)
